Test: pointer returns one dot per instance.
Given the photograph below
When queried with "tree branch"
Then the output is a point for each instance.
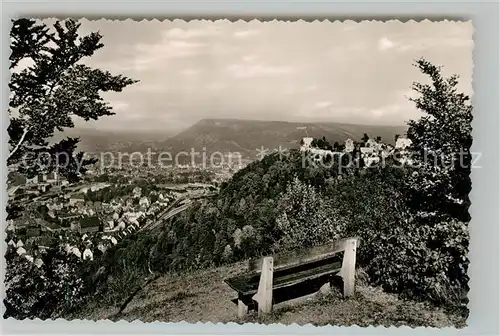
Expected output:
(25, 132)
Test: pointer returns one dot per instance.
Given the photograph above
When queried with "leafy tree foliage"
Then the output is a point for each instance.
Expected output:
(321, 143)
(441, 143)
(412, 242)
(45, 291)
(439, 184)
(52, 89)
(306, 218)
(49, 87)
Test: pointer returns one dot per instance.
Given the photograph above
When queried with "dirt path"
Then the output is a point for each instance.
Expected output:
(204, 297)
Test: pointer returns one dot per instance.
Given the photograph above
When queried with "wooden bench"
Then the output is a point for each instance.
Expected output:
(270, 280)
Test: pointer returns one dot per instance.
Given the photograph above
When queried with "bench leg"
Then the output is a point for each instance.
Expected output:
(349, 267)
(325, 289)
(264, 296)
(242, 309)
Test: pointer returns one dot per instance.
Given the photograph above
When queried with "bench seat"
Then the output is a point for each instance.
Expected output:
(248, 284)
(285, 276)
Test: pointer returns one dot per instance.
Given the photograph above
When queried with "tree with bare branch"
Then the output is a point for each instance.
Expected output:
(49, 87)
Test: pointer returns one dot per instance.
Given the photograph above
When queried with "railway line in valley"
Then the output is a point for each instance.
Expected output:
(167, 215)
(178, 206)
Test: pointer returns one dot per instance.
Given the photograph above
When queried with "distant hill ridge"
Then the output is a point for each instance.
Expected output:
(245, 136)
(229, 135)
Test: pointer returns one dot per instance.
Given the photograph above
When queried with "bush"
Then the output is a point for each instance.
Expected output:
(422, 261)
(306, 218)
(44, 292)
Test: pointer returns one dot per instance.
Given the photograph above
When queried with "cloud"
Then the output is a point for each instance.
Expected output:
(310, 88)
(385, 110)
(151, 55)
(346, 51)
(179, 33)
(419, 43)
(249, 58)
(435, 42)
(256, 71)
(323, 104)
(216, 86)
(244, 70)
(150, 88)
(190, 72)
(384, 44)
(351, 26)
(119, 105)
(221, 49)
(245, 33)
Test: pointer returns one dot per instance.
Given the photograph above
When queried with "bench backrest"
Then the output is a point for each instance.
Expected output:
(303, 256)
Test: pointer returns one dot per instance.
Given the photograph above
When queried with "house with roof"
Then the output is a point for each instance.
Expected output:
(47, 226)
(137, 192)
(121, 225)
(76, 252)
(370, 143)
(110, 225)
(349, 145)
(67, 248)
(75, 225)
(21, 224)
(317, 154)
(403, 143)
(102, 246)
(51, 214)
(89, 224)
(43, 187)
(67, 218)
(77, 199)
(34, 180)
(402, 149)
(52, 178)
(88, 211)
(369, 155)
(42, 243)
(306, 144)
(34, 229)
(95, 187)
(153, 209)
(133, 216)
(38, 262)
(10, 226)
(88, 255)
(21, 250)
(144, 202)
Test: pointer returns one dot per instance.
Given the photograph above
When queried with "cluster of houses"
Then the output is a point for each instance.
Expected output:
(370, 151)
(56, 211)
(70, 214)
(83, 249)
(21, 251)
(177, 173)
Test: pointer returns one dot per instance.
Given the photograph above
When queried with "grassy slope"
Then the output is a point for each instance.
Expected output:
(203, 296)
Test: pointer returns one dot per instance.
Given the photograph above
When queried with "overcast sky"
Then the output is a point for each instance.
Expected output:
(347, 72)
